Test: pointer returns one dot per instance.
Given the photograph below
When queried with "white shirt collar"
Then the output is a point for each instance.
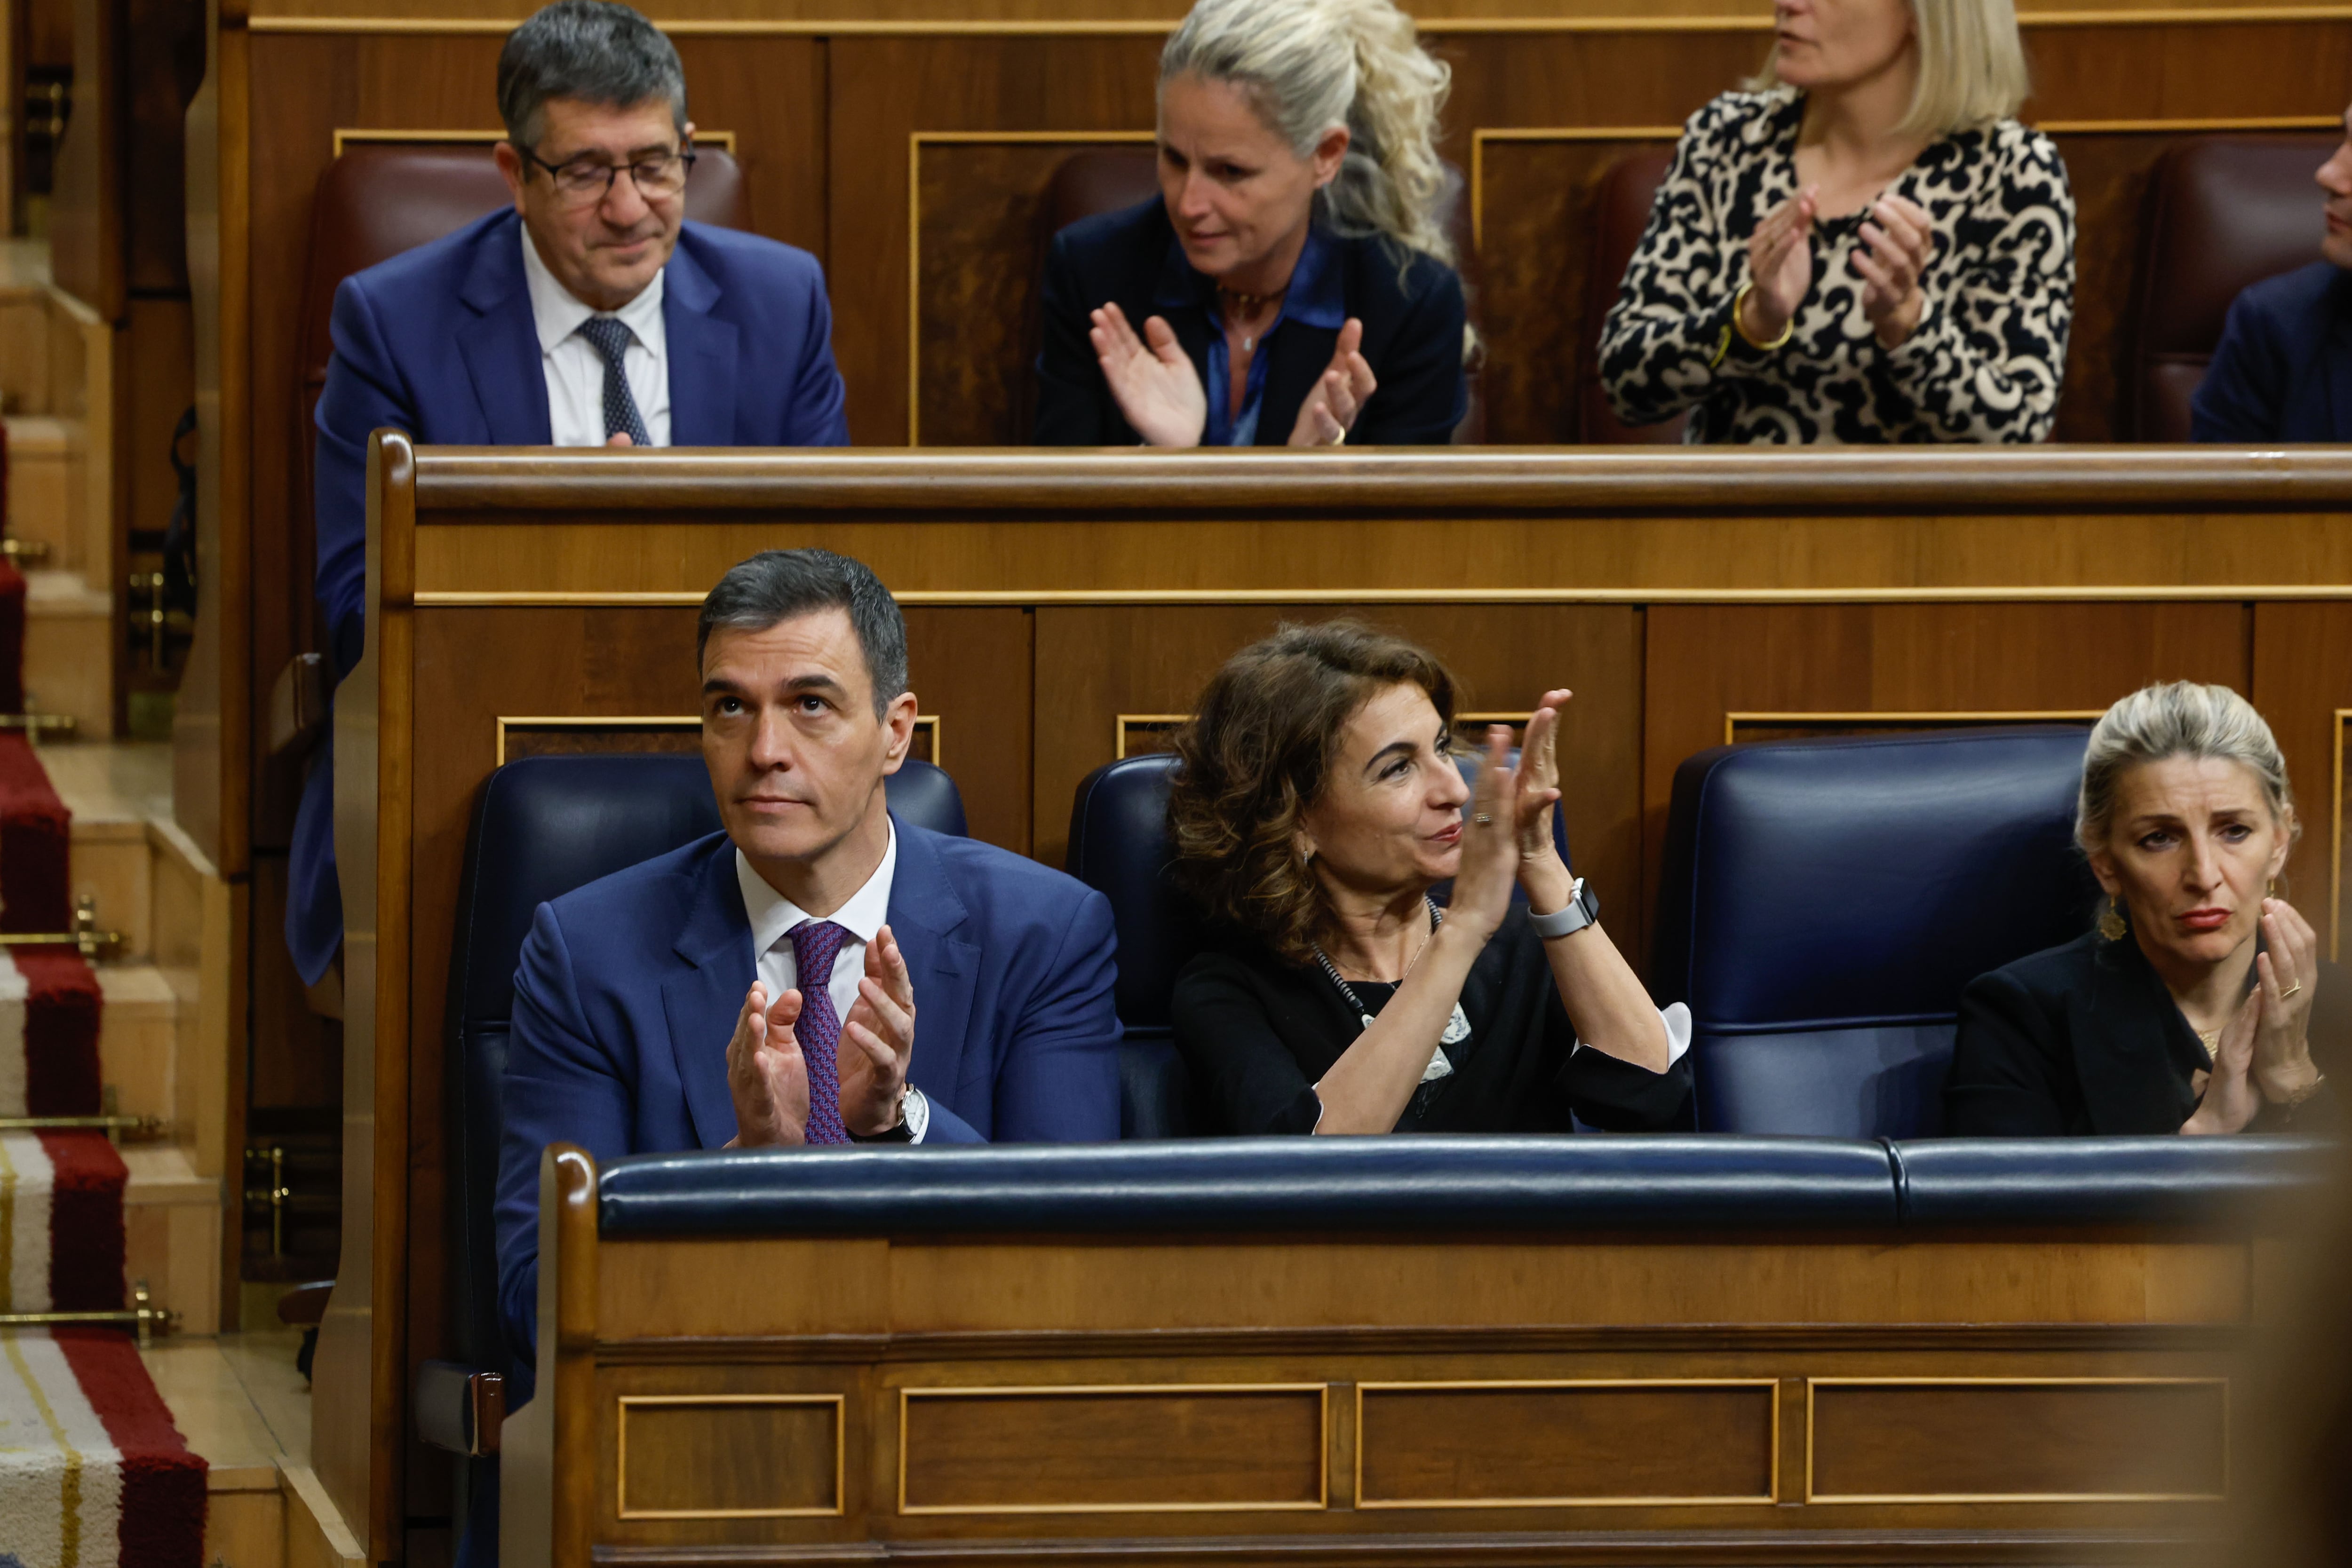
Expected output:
(773, 916)
(557, 312)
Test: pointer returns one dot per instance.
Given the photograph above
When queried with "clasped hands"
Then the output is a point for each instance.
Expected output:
(767, 1076)
(1894, 251)
(2264, 1052)
(1515, 842)
(1160, 393)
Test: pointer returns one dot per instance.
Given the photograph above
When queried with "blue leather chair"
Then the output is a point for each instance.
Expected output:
(1824, 903)
(541, 827)
(1118, 846)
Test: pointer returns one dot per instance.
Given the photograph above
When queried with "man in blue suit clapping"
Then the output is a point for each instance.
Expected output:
(820, 972)
(590, 314)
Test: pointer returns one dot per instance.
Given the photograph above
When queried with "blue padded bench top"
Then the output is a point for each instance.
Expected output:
(1430, 1183)
(1360, 1185)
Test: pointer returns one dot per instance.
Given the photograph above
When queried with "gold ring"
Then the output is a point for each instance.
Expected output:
(2291, 990)
(1483, 819)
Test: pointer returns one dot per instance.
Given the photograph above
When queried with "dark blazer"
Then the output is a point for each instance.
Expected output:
(439, 342)
(1412, 334)
(2084, 1039)
(2284, 369)
(627, 990)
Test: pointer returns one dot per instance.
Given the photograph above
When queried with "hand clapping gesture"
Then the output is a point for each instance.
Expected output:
(1896, 243)
(2264, 1052)
(1151, 377)
(878, 1041)
(1340, 394)
(767, 1077)
(1490, 859)
(1779, 266)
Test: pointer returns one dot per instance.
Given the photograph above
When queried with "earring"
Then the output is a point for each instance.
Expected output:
(2111, 923)
(2272, 891)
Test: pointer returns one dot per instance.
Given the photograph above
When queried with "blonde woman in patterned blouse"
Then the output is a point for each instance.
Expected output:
(1865, 246)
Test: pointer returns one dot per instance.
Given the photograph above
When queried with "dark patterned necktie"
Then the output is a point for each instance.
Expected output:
(611, 339)
(815, 944)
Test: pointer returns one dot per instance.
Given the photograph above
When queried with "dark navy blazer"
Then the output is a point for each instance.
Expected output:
(628, 990)
(440, 341)
(2284, 370)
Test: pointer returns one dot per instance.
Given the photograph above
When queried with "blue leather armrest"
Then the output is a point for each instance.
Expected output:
(2103, 1181)
(1258, 1184)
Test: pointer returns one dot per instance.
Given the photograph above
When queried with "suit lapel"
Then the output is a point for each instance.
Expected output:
(2120, 1030)
(700, 1002)
(926, 914)
(2336, 424)
(502, 350)
(702, 356)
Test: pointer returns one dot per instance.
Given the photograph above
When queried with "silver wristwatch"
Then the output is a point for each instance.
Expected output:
(1583, 908)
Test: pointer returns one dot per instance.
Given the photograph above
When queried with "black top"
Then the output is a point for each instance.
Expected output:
(1413, 320)
(1258, 1033)
(2084, 1039)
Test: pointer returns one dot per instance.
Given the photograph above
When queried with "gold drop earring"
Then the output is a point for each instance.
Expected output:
(2111, 923)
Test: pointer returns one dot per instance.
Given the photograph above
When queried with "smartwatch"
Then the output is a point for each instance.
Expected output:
(1583, 909)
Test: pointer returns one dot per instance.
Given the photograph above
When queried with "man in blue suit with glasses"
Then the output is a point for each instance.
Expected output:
(589, 314)
(820, 972)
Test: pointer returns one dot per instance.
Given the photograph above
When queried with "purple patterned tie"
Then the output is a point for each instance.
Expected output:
(815, 944)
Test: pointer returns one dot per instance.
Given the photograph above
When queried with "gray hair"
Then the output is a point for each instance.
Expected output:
(1313, 66)
(776, 585)
(592, 50)
(2182, 720)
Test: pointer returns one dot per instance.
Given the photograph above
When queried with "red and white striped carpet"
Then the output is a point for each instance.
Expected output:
(92, 1472)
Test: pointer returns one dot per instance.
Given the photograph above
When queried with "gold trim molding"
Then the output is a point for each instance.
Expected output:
(621, 1456)
(2103, 593)
(1815, 1384)
(1033, 1390)
(923, 721)
(372, 135)
(1771, 1495)
(1732, 721)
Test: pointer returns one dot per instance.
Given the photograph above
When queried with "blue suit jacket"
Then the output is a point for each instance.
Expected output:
(628, 988)
(2284, 370)
(440, 341)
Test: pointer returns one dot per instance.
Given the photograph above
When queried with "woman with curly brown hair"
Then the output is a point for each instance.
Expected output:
(1317, 805)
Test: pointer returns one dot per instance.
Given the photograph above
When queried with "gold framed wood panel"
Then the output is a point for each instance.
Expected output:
(1482, 135)
(1815, 1384)
(2183, 16)
(2335, 840)
(372, 135)
(1732, 721)
(916, 141)
(907, 1397)
(924, 723)
(840, 1455)
(1119, 726)
(1769, 1496)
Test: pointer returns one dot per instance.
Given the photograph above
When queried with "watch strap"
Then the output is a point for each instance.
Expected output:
(1583, 909)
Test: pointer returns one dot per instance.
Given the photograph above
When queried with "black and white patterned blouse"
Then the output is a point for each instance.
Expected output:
(1985, 362)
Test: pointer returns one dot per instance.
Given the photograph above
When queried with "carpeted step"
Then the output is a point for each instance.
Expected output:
(93, 1474)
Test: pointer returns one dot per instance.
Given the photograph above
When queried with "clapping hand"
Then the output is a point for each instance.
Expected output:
(1340, 394)
(1152, 378)
(2288, 973)
(767, 1077)
(1896, 245)
(1781, 266)
(2226, 1097)
(1490, 859)
(878, 1041)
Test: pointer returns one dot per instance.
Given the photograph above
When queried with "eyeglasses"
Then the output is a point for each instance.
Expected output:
(581, 181)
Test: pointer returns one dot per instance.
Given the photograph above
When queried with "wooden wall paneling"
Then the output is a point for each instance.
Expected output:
(163, 65)
(979, 252)
(882, 91)
(1095, 663)
(2301, 680)
(86, 206)
(1704, 662)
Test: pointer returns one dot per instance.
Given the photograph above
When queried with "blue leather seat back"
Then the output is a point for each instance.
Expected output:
(543, 826)
(1824, 903)
(1118, 846)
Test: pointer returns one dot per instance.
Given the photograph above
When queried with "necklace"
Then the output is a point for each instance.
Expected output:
(1457, 1027)
(1247, 306)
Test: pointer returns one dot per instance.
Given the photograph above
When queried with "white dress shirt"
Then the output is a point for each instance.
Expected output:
(576, 370)
(772, 919)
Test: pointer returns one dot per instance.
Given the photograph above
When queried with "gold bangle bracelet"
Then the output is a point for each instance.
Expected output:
(1787, 328)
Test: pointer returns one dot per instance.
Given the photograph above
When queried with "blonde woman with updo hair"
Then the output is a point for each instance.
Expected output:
(1292, 283)
(2200, 1003)
(1863, 246)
